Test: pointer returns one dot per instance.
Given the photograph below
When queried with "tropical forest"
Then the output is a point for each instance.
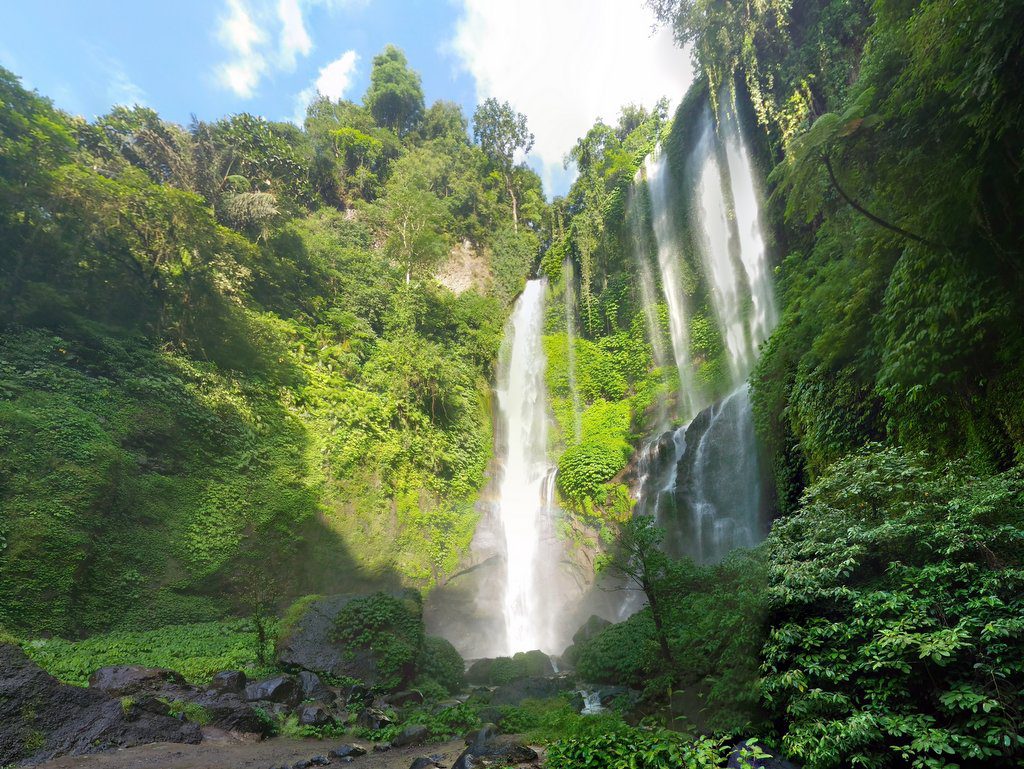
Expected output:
(370, 435)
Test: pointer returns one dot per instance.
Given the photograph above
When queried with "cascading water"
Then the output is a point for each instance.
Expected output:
(702, 482)
(569, 300)
(748, 224)
(525, 493)
(657, 173)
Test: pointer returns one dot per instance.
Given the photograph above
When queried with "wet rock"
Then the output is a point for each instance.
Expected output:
(229, 681)
(283, 689)
(416, 734)
(313, 688)
(230, 711)
(529, 689)
(503, 670)
(42, 718)
(314, 714)
(503, 751)
(319, 761)
(482, 735)
(407, 697)
(741, 758)
(372, 718)
(588, 630)
(310, 642)
(347, 751)
(124, 680)
(423, 762)
(382, 747)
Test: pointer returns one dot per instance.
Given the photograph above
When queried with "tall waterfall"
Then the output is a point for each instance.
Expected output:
(702, 482)
(658, 178)
(569, 300)
(525, 492)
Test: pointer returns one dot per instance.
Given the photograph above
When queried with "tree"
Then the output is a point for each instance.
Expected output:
(444, 120)
(501, 131)
(395, 96)
(413, 218)
(639, 560)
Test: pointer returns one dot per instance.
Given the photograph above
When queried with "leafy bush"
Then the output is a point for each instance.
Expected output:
(391, 628)
(441, 663)
(897, 593)
(196, 651)
(623, 654)
(631, 748)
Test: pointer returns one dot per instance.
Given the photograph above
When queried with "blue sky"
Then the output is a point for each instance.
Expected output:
(562, 62)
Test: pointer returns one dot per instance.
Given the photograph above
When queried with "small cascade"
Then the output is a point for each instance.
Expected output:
(591, 703)
(570, 332)
(669, 252)
(525, 493)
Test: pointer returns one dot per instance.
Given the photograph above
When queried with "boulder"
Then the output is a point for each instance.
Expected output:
(372, 718)
(283, 689)
(230, 711)
(482, 735)
(588, 630)
(407, 697)
(423, 762)
(229, 681)
(312, 687)
(347, 751)
(314, 714)
(125, 680)
(309, 642)
(502, 751)
(502, 670)
(529, 689)
(43, 718)
(415, 734)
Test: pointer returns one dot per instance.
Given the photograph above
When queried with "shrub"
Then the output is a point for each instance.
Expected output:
(631, 748)
(441, 663)
(391, 628)
(621, 654)
(897, 593)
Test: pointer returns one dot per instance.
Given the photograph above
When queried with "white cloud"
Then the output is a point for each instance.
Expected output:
(333, 81)
(244, 38)
(295, 40)
(122, 90)
(565, 64)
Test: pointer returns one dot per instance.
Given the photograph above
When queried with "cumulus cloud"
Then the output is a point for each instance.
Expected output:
(295, 40)
(565, 64)
(333, 82)
(244, 39)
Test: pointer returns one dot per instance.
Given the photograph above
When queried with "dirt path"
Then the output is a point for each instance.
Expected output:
(268, 754)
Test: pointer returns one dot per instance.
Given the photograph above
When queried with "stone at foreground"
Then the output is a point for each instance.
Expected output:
(42, 718)
(496, 751)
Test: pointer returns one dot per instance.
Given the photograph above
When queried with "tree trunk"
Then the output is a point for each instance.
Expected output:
(659, 627)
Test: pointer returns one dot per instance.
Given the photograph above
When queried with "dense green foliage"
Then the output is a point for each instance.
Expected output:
(196, 651)
(391, 628)
(897, 596)
(441, 664)
(226, 368)
(637, 749)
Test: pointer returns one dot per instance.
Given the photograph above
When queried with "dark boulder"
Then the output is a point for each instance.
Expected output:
(314, 714)
(482, 735)
(416, 734)
(42, 718)
(529, 689)
(312, 687)
(588, 630)
(407, 697)
(310, 643)
(372, 718)
(230, 711)
(347, 751)
(124, 680)
(424, 762)
(501, 751)
(229, 681)
(283, 689)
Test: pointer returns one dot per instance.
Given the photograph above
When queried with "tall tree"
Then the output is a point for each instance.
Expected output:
(501, 131)
(395, 96)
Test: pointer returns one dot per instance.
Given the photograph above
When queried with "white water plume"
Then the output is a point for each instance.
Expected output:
(526, 490)
(669, 255)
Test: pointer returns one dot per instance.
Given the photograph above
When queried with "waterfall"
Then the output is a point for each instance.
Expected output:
(669, 251)
(526, 489)
(570, 341)
(702, 482)
(748, 225)
(647, 290)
